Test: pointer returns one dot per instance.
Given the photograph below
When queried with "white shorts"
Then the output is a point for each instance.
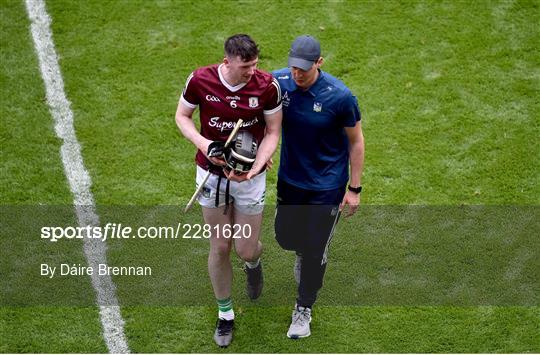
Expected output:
(247, 196)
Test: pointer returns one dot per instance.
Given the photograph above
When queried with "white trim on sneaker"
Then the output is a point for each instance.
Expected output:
(301, 318)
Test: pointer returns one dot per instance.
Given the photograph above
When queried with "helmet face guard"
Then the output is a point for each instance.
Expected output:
(242, 152)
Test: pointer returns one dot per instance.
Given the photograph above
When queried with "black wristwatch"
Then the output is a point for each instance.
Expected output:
(356, 190)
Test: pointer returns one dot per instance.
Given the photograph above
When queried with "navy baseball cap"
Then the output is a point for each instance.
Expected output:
(305, 50)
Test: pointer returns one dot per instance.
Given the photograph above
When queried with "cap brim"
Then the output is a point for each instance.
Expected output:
(300, 63)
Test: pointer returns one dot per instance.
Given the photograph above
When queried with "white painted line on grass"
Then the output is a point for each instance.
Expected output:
(77, 175)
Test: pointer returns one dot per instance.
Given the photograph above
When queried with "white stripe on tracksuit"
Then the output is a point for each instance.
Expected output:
(325, 255)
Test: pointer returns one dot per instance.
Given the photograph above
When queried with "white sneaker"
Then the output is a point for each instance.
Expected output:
(301, 317)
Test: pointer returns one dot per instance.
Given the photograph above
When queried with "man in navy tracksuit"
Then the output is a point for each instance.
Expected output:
(321, 139)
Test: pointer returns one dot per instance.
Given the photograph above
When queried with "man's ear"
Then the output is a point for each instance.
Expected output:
(319, 62)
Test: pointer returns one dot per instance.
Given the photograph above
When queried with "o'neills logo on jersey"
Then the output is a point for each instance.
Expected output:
(286, 100)
(222, 126)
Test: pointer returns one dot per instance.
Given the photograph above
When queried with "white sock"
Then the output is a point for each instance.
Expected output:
(229, 315)
(253, 264)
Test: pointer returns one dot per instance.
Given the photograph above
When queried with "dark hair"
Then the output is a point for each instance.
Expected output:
(241, 45)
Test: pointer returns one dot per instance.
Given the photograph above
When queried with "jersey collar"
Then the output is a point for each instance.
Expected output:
(313, 89)
(226, 84)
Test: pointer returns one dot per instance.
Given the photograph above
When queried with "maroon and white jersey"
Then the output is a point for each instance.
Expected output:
(221, 105)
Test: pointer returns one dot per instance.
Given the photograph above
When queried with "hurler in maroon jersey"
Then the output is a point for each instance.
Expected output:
(225, 93)
(221, 105)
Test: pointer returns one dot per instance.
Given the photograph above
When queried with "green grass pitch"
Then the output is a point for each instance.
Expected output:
(449, 95)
